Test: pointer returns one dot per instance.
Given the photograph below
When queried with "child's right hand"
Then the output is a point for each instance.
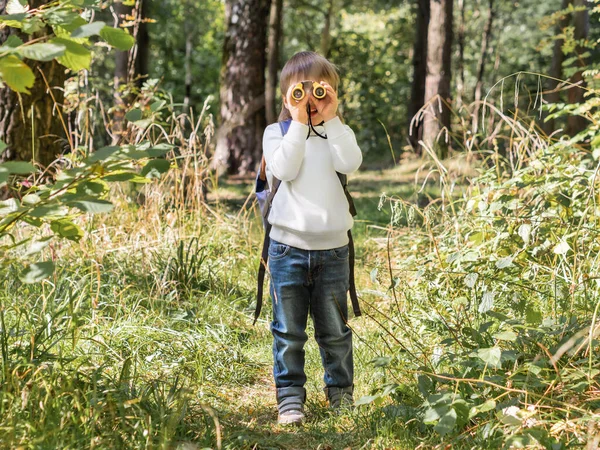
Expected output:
(297, 108)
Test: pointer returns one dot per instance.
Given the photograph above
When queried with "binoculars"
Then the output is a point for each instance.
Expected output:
(299, 91)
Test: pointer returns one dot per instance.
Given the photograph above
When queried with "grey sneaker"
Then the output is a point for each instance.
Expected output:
(290, 403)
(339, 398)
(290, 417)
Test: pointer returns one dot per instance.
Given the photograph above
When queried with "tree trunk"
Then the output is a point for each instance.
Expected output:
(460, 85)
(326, 33)
(242, 93)
(29, 124)
(143, 43)
(575, 123)
(275, 38)
(419, 63)
(188, 26)
(556, 68)
(437, 83)
(485, 41)
(121, 76)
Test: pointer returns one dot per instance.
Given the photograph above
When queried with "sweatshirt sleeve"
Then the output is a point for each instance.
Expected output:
(344, 149)
(284, 155)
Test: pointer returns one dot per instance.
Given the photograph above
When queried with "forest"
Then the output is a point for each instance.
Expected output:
(131, 139)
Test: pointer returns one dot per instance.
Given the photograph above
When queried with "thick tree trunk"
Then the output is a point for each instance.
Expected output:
(242, 93)
(30, 125)
(327, 27)
(419, 63)
(275, 38)
(575, 123)
(485, 42)
(437, 83)
(556, 68)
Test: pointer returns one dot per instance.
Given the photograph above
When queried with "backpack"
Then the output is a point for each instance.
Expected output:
(264, 195)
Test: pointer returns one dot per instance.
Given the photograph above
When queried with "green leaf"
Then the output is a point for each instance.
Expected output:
(37, 272)
(491, 356)
(38, 246)
(67, 229)
(120, 175)
(90, 29)
(4, 174)
(33, 25)
(447, 422)
(92, 205)
(18, 167)
(13, 20)
(49, 211)
(156, 167)
(13, 41)
(92, 188)
(503, 263)
(484, 407)
(117, 38)
(506, 336)
(103, 153)
(43, 52)
(30, 199)
(16, 74)
(133, 115)
(8, 206)
(76, 56)
(366, 399)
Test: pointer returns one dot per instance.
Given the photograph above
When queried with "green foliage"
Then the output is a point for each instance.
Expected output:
(67, 34)
(503, 288)
(83, 187)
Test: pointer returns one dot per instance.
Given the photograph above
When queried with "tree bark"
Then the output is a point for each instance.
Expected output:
(326, 33)
(242, 93)
(460, 85)
(437, 83)
(188, 64)
(556, 67)
(275, 38)
(29, 123)
(485, 41)
(143, 43)
(575, 123)
(419, 63)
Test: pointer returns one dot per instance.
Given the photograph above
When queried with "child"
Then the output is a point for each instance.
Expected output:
(308, 250)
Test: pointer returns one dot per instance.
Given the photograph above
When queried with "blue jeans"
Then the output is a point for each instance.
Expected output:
(314, 282)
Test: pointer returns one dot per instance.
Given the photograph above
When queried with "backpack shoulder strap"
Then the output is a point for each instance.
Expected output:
(284, 126)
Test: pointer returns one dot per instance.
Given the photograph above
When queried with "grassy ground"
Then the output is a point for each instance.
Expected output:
(144, 336)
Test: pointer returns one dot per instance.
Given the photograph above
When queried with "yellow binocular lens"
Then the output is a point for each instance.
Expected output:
(318, 90)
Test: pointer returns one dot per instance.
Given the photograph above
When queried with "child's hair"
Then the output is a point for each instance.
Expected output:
(307, 66)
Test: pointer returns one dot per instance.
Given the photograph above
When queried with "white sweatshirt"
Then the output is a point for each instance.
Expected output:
(310, 210)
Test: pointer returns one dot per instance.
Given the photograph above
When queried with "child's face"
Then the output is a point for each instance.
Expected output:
(315, 117)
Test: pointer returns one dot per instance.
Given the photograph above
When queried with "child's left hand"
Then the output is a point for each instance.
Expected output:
(327, 107)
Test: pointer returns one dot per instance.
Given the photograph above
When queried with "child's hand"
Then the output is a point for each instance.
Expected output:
(327, 106)
(297, 108)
